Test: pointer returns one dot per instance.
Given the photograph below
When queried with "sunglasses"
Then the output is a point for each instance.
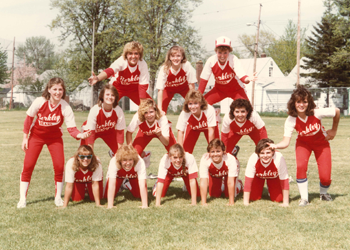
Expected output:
(82, 157)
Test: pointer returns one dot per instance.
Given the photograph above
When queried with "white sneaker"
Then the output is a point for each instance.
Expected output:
(110, 153)
(59, 202)
(22, 204)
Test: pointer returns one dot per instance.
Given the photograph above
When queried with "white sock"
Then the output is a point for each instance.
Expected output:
(303, 188)
(59, 187)
(23, 188)
(323, 190)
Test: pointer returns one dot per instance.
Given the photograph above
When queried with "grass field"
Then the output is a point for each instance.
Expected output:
(175, 225)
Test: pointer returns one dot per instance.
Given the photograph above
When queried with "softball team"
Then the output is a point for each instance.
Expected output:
(219, 169)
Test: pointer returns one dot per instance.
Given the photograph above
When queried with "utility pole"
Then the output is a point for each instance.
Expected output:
(255, 54)
(92, 61)
(12, 71)
(298, 46)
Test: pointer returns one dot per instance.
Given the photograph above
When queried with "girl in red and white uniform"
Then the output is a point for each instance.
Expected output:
(197, 116)
(51, 110)
(214, 169)
(306, 120)
(151, 124)
(126, 164)
(83, 172)
(106, 120)
(176, 164)
(129, 74)
(175, 76)
(228, 73)
(266, 164)
(241, 120)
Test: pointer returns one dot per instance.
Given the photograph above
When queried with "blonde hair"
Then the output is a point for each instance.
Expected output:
(144, 107)
(50, 84)
(85, 150)
(126, 152)
(134, 45)
(102, 93)
(167, 63)
(178, 149)
(194, 95)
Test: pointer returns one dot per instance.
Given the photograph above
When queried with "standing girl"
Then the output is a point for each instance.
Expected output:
(266, 164)
(106, 120)
(126, 164)
(217, 169)
(175, 76)
(151, 124)
(306, 120)
(130, 74)
(228, 73)
(51, 109)
(197, 116)
(83, 172)
(242, 120)
(177, 164)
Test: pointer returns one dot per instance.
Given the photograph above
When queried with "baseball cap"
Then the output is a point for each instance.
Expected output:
(223, 41)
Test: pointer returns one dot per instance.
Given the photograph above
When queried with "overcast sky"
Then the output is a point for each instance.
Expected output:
(213, 18)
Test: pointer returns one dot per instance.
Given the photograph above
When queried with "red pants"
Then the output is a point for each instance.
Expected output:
(35, 145)
(134, 183)
(218, 93)
(322, 153)
(215, 184)
(168, 180)
(110, 139)
(132, 91)
(234, 138)
(273, 185)
(80, 188)
(141, 141)
(191, 138)
(168, 94)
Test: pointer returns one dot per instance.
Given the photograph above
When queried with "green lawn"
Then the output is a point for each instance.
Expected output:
(175, 225)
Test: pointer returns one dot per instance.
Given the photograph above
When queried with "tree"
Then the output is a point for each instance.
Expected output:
(3, 66)
(38, 52)
(25, 76)
(266, 38)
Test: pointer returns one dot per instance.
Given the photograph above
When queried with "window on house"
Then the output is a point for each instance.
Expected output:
(270, 71)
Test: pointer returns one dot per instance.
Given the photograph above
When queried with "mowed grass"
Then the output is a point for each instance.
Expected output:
(175, 225)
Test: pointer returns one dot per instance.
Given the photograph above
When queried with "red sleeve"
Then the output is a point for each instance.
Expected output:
(120, 136)
(193, 175)
(202, 85)
(27, 123)
(248, 184)
(263, 133)
(285, 184)
(91, 139)
(74, 132)
(243, 79)
(109, 72)
(224, 138)
(161, 180)
(143, 91)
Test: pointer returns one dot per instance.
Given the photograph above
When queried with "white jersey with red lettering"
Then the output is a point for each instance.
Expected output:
(310, 129)
(102, 121)
(146, 128)
(185, 75)
(50, 119)
(139, 171)
(82, 176)
(254, 122)
(228, 166)
(276, 168)
(166, 167)
(189, 121)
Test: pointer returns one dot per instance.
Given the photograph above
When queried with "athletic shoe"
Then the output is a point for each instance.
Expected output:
(303, 203)
(235, 151)
(59, 202)
(184, 188)
(326, 197)
(124, 185)
(152, 176)
(22, 204)
(147, 158)
(110, 153)
(154, 189)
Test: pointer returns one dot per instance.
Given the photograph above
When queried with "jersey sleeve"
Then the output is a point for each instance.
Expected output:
(91, 120)
(115, 67)
(281, 165)
(192, 165)
(226, 122)
(207, 69)
(161, 79)
(211, 116)
(250, 170)
(162, 169)
(135, 122)
(140, 169)
(256, 120)
(68, 114)
(112, 168)
(204, 167)
(144, 74)
(36, 105)
(237, 67)
(121, 119)
(233, 168)
(97, 175)
(289, 126)
(182, 121)
(324, 112)
(164, 126)
(190, 73)
(69, 173)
